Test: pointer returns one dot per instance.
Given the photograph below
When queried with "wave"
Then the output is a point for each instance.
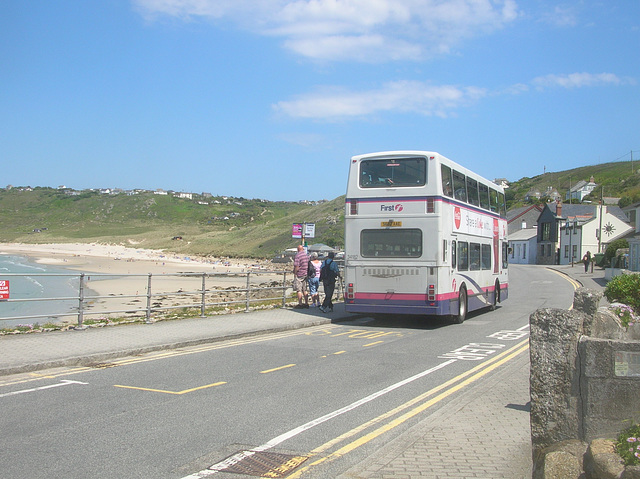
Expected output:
(35, 284)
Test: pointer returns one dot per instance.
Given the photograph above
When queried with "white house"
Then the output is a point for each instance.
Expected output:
(523, 246)
(582, 233)
(581, 189)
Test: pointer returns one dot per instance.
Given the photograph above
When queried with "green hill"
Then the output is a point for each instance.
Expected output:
(225, 226)
(218, 226)
(613, 180)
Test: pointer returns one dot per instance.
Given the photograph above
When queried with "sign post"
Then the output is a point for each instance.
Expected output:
(303, 230)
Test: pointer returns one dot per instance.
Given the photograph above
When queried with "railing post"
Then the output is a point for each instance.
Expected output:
(202, 304)
(148, 316)
(284, 289)
(81, 301)
(246, 308)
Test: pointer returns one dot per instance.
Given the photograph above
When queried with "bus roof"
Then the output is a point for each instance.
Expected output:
(451, 163)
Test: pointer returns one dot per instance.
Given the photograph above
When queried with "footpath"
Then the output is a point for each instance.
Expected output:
(483, 433)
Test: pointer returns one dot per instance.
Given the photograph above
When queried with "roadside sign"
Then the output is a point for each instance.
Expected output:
(309, 230)
(4, 289)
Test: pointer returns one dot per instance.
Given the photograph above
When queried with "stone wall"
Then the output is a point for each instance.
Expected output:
(585, 379)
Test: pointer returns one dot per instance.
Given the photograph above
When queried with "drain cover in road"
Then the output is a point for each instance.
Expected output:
(265, 464)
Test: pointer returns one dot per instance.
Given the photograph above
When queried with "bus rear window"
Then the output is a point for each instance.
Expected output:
(393, 172)
(396, 243)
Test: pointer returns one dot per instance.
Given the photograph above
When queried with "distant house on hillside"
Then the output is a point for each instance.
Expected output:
(503, 182)
(533, 194)
(580, 190)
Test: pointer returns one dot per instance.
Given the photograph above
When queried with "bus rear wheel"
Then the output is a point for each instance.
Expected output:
(462, 307)
(496, 296)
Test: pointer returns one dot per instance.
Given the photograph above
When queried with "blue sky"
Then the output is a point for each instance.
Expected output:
(270, 98)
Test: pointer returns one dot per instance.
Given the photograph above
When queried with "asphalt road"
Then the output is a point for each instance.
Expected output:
(336, 392)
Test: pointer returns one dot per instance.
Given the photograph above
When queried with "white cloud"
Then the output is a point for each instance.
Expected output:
(422, 98)
(368, 30)
(393, 97)
(577, 80)
(561, 16)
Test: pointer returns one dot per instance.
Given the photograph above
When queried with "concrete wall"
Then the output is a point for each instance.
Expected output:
(585, 373)
(609, 386)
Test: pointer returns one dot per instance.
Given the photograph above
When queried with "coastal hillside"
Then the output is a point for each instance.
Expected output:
(197, 225)
(227, 226)
(617, 179)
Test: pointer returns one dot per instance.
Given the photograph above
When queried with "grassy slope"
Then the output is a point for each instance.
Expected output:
(259, 229)
(613, 179)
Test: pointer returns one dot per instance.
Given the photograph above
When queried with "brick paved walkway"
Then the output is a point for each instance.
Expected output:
(482, 433)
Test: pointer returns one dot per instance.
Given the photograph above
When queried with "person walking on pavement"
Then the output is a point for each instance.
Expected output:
(314, 281)
(300, 265)
(586, 259)
(328, 275)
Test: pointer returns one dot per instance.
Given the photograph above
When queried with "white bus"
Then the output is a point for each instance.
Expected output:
(423, 235)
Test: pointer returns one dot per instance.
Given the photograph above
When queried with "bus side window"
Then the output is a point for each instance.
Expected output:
(454, 261)
(463, 256)
(447, 185)
(486, 256)
(444, 251)
(474, 256)
(493, 194)
(484, 196)
(505, 255)
(472, 191)
(459, 186)
(501, 205)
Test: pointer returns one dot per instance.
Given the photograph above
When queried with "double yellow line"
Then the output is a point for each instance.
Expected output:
(439, 393)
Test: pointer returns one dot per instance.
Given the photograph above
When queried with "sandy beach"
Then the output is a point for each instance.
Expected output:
(133, 267)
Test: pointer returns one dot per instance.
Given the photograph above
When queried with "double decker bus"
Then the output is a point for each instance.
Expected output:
(423, 235)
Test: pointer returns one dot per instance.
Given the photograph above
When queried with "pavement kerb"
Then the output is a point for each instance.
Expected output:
(93, 359)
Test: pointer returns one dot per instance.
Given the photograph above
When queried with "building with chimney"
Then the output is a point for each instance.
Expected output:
(566, 232)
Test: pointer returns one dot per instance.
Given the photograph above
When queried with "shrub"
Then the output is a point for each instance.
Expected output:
(628, 445)
(624, 289)
(612, 248)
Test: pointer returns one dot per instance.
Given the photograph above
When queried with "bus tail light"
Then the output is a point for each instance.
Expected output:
(431, 292)
(430, 205)
(350, 291)
(353, 207)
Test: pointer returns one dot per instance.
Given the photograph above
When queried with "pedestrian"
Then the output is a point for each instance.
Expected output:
(328, 275)
(586, 259)
(314, 280)
(300, 266)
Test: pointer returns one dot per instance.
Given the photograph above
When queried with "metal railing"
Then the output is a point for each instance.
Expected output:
(243, 291)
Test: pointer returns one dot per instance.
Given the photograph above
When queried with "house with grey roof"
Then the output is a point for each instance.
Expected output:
(567, 232)
(581, 189)
(522, 218)
(523, 246)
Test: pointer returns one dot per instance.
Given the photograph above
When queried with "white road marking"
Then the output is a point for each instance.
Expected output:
(65, 382)
(235, 459)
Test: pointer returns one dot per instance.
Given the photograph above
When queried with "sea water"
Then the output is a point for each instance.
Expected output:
(37, 281)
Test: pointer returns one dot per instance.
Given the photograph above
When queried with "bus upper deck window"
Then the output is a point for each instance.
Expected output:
(393, 172)
(447, 182)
